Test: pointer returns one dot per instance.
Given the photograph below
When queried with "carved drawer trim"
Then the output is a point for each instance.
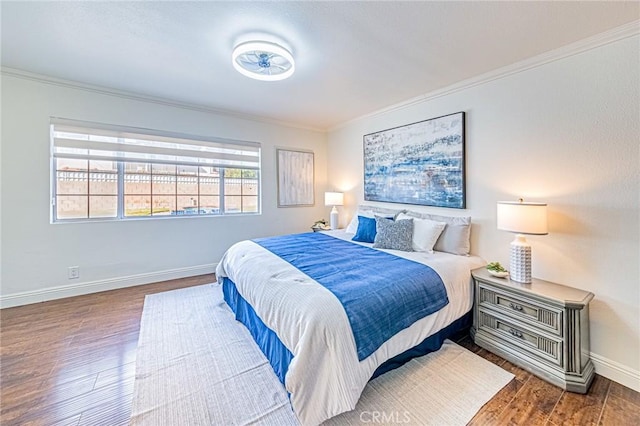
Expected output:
(515, 334)
(546, 318)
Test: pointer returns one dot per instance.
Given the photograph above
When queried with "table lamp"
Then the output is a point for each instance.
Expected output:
(521, 218)
(333, 199)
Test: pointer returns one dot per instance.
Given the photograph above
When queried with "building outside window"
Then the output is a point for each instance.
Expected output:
(104, 172)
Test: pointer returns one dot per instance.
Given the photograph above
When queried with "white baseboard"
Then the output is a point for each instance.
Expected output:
(604, 366)
(52, 293)
(617, 372)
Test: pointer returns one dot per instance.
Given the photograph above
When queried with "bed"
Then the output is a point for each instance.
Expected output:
(309, 336)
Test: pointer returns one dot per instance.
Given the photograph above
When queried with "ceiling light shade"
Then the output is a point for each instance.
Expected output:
(262, 60)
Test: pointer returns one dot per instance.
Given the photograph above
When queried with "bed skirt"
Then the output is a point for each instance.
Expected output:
(279, 356)
(276, 352)
(428, 345)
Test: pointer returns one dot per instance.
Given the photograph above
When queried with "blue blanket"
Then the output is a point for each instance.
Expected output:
(382, 294)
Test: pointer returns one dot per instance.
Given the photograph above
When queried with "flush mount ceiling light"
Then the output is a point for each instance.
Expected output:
(262, 60)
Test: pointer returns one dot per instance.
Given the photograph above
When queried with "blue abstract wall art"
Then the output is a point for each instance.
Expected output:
(421, 163)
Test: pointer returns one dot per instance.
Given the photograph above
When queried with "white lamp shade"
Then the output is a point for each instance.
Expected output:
(333, 198)
(522, 218)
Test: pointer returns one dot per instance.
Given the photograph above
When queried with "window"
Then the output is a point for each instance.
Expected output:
(107, 172)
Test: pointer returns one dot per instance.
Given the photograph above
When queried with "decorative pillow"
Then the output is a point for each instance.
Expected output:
(425, 232)
(394, 235)
(366, 232)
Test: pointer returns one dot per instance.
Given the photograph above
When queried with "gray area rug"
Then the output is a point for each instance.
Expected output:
(196, 365)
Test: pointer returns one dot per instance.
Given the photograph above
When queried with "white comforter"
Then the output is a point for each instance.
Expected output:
(325, 377)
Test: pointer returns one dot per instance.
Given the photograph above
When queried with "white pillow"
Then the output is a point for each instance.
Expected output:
(425, 232)
(455, 238)
(370, 211)
(353, 225)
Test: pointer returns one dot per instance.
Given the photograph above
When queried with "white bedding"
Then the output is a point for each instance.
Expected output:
(325, 377)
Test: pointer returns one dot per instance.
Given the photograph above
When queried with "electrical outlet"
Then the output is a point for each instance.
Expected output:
(74, 272)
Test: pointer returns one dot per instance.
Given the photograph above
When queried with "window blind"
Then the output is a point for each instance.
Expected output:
(96, 141)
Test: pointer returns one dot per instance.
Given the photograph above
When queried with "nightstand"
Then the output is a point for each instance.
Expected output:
(542, 327)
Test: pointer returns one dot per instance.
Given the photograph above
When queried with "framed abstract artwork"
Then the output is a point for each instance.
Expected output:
(295, 178)
(421, 163)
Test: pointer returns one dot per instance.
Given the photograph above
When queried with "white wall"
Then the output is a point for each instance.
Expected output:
(566, 133)
(36, 254)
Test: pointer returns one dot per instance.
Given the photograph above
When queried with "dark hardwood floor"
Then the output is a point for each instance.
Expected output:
(528, 400)
(72, 361)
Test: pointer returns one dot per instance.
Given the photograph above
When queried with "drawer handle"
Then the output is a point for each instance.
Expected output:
(516, 333)
(515, 307)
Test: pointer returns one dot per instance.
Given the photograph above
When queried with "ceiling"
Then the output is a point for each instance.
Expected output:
(352, 58)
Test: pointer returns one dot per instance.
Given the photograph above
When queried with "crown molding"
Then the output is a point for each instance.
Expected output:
(616, 34)
(41, 78)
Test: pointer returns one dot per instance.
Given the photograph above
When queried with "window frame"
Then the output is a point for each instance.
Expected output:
(121, 173)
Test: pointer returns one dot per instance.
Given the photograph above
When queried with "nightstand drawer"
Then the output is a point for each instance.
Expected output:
(546, 318)
(514, 334)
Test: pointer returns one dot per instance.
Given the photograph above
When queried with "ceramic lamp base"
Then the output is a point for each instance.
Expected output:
(520, 260)
(333, 220)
